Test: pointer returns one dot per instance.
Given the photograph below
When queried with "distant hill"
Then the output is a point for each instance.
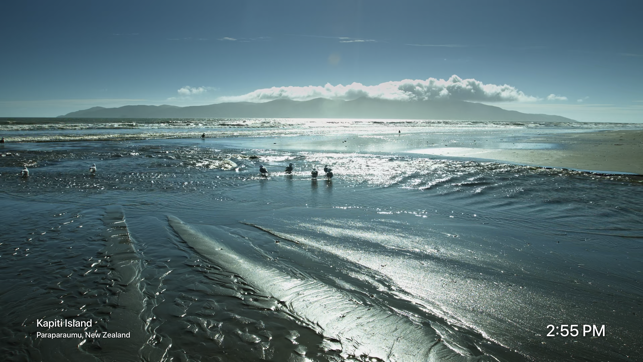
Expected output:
(361, 108)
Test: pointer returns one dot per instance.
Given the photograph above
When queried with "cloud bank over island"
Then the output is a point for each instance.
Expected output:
(454, 88)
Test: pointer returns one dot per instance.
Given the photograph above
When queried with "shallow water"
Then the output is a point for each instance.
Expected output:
(399, 257)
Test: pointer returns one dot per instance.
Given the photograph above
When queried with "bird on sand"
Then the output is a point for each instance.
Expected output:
(263, 171)
(24, 172)
(92, 169)
(314, 172)
(290, 168)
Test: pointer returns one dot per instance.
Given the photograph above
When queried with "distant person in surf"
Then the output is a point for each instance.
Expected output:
(203, 135)
(290, 168)
(263, 171)
(2, 140)
(24, 172)
(92, 169)
(314, 173)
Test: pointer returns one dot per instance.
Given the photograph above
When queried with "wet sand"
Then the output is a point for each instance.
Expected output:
(608, 151)
(597, 151)
(618, 151)
(483, 255)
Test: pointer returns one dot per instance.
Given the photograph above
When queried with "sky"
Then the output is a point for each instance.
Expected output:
(581, 59)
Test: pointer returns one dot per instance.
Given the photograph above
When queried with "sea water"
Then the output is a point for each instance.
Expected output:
(178, 249)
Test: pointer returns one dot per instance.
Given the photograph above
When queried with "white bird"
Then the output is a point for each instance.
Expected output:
(263, 171)
(24, 172)
(290, 168)
(92, 169)
(314, 173)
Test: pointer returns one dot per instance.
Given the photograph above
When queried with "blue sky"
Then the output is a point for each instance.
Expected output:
(579, 59)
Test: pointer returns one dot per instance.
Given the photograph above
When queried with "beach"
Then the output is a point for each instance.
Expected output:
(605, 151)
(601, 147)
(595, 151)
(434, 241)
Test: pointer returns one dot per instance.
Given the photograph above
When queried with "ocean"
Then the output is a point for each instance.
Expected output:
(178, 249)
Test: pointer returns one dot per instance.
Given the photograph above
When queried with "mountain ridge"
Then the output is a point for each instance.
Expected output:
(361, 108)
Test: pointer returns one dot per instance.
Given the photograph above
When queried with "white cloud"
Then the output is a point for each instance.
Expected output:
(553, 97)
(581, 100)
(188, 95)
(438, 45)
(342, 39)
(348, 40)
(454, 88)
(188, 91)
(245, 40)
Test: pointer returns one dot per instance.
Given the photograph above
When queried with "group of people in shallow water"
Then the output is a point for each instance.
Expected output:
(314, 173)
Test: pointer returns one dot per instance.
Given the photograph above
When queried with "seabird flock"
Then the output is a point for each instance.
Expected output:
(262, 170)
(25, 171)
(314, 173)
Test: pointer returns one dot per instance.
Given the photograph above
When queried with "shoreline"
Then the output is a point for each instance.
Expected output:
(597, 152)
(612, 152)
